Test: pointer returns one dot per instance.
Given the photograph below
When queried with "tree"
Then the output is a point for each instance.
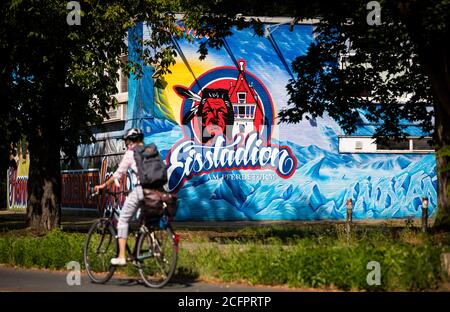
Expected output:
(406, 55)
(57, 79)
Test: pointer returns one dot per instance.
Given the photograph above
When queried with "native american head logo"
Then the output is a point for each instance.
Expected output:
(214, 113)
(225, 106)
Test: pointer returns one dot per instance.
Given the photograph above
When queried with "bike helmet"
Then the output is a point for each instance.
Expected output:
(134, 134)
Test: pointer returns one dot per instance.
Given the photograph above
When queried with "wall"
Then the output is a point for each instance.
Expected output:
(76, 184)
(232, 163)
(77, 187)
(282, 171)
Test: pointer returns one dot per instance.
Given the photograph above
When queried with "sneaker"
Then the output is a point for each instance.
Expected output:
(118, 261)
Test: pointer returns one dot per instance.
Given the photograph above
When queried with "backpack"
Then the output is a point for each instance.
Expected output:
(152, 171)
(153, 204)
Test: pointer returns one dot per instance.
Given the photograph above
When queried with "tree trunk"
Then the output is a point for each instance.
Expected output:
(434, 56)
(439, 75)
(442, 135)
(44, 181)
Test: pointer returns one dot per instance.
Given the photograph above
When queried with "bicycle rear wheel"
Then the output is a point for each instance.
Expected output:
(157, 254)
(99, 247)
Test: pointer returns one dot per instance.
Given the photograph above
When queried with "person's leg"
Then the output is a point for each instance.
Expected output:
(122, 247)
(129, 208)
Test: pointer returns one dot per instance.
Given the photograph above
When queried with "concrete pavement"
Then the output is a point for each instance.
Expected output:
(28, 280)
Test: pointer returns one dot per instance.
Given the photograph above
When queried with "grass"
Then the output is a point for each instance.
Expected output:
(306, 256)
(326, 261)
(51, 251)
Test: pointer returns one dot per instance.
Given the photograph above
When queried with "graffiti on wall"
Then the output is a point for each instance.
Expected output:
(106, 200)
(77, 188)
(17, 180)
(99, 162)
(75, 191)
(208, 116)
(227, 126)
(17, 190)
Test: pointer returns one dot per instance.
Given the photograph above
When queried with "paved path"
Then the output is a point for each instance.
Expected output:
(44, 281)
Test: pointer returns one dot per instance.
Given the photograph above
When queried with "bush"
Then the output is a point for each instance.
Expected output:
(52, 251)
(323, 262)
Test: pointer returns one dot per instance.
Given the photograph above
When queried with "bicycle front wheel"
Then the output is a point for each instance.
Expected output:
(157, 254)
(100, 246)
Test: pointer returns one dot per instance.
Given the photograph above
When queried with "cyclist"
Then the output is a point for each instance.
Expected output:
(132, 138)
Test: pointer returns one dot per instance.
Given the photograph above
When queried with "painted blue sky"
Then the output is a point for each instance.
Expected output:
(265, 63)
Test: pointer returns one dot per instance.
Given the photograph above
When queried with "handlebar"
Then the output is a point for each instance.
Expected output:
(105, 191)
(92, 195)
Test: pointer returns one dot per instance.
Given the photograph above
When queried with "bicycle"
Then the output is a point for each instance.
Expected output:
(155, 251)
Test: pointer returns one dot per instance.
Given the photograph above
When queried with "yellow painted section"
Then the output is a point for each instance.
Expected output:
(182, 76)
(24, 166)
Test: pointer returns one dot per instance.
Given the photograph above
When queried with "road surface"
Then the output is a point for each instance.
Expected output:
(26, 280)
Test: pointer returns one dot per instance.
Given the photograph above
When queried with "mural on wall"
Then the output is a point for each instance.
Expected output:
(17, 179)
(97, 163)
(215, 122)
(227, 127)
(77, 187)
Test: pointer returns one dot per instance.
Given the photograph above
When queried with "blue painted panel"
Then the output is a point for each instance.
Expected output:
(308, 178)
